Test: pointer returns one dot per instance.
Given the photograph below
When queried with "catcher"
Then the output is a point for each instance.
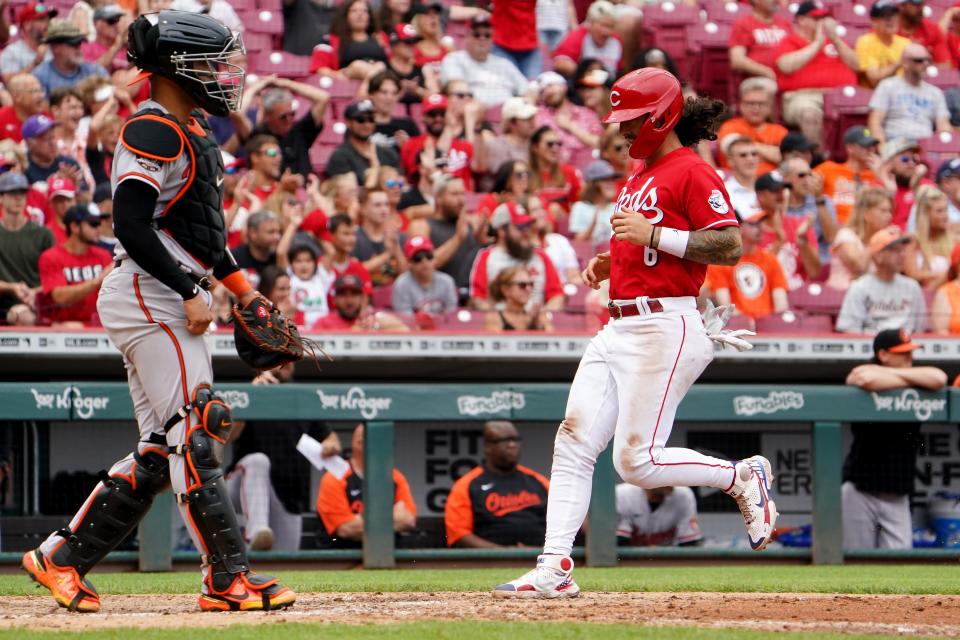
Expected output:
(155, 306)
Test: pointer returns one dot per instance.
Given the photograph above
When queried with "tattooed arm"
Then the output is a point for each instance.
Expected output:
(713, 246)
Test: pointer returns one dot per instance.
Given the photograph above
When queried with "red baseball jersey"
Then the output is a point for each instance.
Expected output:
(58, 267)
(679, 191)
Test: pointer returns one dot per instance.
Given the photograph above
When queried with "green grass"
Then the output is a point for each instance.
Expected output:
(431, 630)
(889, 579)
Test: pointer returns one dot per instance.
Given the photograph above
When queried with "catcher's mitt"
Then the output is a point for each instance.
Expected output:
(265, 339)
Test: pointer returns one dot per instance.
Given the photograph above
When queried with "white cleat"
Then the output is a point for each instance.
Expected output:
(751, 490)
(551, 579)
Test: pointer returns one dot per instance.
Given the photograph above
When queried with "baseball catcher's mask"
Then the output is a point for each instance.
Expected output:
(195, 51)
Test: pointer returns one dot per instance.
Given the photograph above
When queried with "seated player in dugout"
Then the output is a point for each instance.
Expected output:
(661, 517)
(500, 503)
(340, 501)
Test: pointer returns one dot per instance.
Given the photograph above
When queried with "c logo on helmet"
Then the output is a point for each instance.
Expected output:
(614, 98)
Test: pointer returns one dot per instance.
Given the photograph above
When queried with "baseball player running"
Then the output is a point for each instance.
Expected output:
(673, 218)
(154, 305)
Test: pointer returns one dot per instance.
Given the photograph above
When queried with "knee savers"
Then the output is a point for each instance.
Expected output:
(114, 510)
(207, 500)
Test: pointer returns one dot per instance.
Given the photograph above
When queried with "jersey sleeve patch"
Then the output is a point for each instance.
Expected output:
(153, 139)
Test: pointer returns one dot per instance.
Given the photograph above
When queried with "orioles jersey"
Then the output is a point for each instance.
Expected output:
(339, 500)
(678, 191)
(503, 509)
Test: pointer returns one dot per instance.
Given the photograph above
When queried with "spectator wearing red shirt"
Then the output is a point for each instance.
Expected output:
(923, 31)
(71, 273)
(791, 239)
(28, 100)
(108, 48)
(515, 247)
(343, 240)
(755, 38)
(62, 193)
(557, 184)
(950, 25)
(902, 172)
(515, 35)
(355, 49)
(594, 39)
(351, 310)
(812, 58)
(429, 48)
(458, 154)
(579, 128)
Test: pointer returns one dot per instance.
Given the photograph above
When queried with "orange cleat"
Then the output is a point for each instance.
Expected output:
(69, 589)
(249, 592)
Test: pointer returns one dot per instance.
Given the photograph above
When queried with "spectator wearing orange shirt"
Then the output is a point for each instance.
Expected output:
(754, 39)
(812, 58)
(756, 107)
(842, 181)
(340, 501)
(756, 284)
(923, 31)
(500, 503)
(945, 310)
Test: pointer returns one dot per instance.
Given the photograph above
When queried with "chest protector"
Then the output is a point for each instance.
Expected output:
(194, 216)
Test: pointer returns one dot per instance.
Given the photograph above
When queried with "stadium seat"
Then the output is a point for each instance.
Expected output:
(853, 15)
(817, 299)
(320, 157)
(577, 302)
(382, 298)
(257, 41)
(666, 29)
(244, 5)
(472, 201)
(843, 107)
(940, 147)
(332, 132)
(269, 5)
(584, 251)
(465, 320)
(287, 65)
(793, 322)
(709, 51)
(725, 11)
(568, 322)
(943, 78)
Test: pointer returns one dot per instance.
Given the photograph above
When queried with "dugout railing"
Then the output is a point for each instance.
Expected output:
(824, 408)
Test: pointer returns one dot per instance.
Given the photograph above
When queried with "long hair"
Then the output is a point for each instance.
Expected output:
(941, 245)
(268, 280)
(504, 174)
(700, 119)
(502, 280)
(341, 28)
(536, 180)
(868, 198)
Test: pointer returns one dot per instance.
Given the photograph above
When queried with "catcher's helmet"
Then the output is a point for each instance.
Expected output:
(193, 50)
(652, 92)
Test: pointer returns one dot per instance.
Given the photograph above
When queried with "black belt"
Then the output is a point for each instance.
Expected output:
(201, 281)
(628, 309)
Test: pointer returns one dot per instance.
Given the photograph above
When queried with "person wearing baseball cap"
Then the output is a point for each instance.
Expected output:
(459, 159)
(108, 48)
(590, 215)
(42, 158)
(880, 49)
(354, 154)
(516, 245)
(581, 128)
(21, 243)
(903, 159)
(812, 58)
(880, 468)
(948, 180)
(423, 289)
(351, 310)
(796, 144)
(71, 272)
(923, 31)
(842, 180)
(61, 194)
(784, 234)
(66, 66)
(884, 298)
(517, 125)
(25, 53)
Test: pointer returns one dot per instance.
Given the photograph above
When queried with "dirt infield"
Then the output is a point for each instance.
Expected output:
(893, 615)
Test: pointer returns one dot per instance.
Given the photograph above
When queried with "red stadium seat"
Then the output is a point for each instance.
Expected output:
(852, 15)
(287, 65)
(584, 251)
(332, 132)
(792, 322)
(320, 157)
(493, 115)
(472, 201)
(382, 298)
(816, 299)
(465, 321)
(243, 5)
(257, 41)
(568, 322)
(577, 302)
(725, 11)
(940, 147)
(943, 78)
(269, 5)
(666, 29)
(708, 48)
(843, 107)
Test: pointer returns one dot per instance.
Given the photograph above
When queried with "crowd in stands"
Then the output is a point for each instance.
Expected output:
(395, 163)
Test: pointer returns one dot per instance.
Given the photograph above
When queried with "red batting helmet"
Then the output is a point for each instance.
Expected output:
(647, 91)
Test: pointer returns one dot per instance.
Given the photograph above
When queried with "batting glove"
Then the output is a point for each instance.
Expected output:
(715, 319)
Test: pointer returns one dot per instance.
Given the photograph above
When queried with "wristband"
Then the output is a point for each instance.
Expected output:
(237, 283)
(673, 241)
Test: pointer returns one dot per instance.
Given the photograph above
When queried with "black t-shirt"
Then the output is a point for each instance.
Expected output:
(507, 509)
(415, 74)
(306, 23)
(383, 134)
(345, 159)
(295, 146)
(245, 259)
(883, 457)
(289, 470)
(411, 198)
(461, 262)
(36, 173)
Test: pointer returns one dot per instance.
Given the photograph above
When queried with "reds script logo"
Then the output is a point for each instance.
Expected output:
(642, 202)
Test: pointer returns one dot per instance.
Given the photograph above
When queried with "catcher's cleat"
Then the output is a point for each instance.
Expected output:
(550, 579)
(69, 589)
(751, 490)
(249, 592)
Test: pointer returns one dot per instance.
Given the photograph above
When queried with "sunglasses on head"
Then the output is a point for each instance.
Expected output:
(391, 183)
(421, 256)
(523, 284)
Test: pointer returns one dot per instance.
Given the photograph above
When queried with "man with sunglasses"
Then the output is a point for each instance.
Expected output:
(27, 52)
(71, 273)
(806, 201)
(923, 31)
(458, 154)
(901, 172)
(578, 127)
(108, 47)
(422, 287)
(358, 148)
(21, 243)
(500, 503)
(907, 106)
(66, 67)
(754, 121)
(492, 79)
